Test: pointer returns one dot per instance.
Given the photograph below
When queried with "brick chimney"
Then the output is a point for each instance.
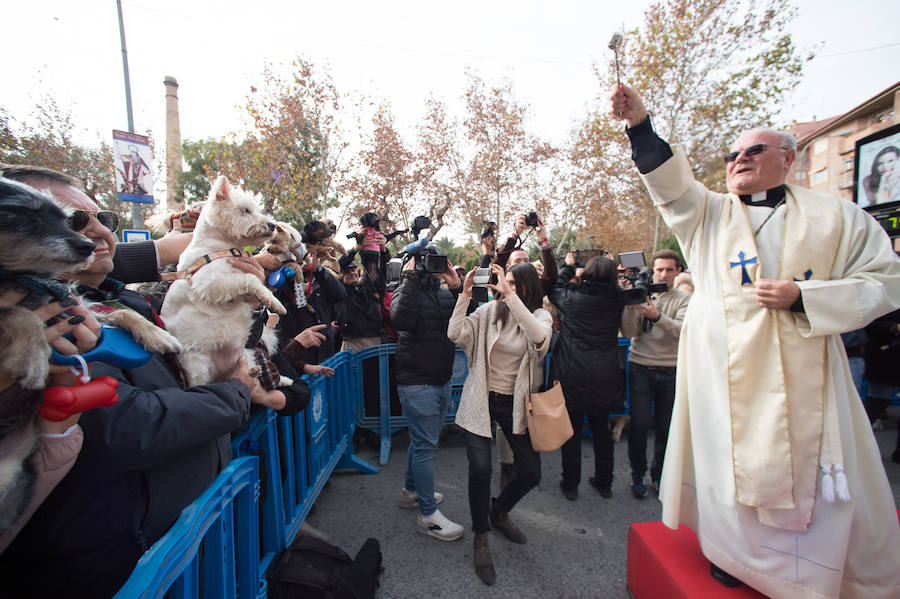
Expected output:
(174, 188)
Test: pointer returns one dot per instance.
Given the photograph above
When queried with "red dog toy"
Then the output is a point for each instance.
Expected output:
(62, 402)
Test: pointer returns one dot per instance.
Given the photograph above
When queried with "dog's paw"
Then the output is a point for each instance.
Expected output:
(254, 371)
(26, 352)
(285, 381)
(271, 302)
(148, 335)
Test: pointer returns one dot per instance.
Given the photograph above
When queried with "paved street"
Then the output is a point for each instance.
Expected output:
(575, 549)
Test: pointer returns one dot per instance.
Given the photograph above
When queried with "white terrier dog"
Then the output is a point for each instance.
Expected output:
(209, 307)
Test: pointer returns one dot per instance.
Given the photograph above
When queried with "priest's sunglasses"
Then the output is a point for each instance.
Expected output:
(749, 152)
(79, 220)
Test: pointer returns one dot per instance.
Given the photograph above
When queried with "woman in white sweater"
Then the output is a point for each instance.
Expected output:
(503, 340)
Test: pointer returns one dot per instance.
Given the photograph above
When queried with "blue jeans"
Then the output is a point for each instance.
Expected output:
(651, 390)
(857, 369)
(425, 407)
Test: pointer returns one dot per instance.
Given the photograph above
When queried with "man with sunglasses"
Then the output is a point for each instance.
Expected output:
(143, 459)
(770, 458)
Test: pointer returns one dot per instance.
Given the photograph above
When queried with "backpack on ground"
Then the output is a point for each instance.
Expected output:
(312, 568)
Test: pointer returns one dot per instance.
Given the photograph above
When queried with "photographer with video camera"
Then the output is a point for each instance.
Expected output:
(420, 313)
(654, 326)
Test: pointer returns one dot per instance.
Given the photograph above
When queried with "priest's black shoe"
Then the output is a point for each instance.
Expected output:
(723, 577)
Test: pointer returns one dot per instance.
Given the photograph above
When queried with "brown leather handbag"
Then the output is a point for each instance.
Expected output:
(549, 425)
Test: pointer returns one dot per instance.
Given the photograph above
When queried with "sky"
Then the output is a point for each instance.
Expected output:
(396, 51)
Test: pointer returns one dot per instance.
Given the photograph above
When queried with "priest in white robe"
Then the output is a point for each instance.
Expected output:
(771, 459)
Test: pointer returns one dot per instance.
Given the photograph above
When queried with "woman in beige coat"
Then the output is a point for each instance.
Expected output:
(503, 340)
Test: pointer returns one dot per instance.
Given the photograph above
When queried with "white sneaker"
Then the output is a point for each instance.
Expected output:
(410, 500)
(438, 526)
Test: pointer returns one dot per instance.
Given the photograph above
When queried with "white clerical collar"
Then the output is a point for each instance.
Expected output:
(759, 196)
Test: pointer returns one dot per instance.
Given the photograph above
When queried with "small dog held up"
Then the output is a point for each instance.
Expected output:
(209, 306)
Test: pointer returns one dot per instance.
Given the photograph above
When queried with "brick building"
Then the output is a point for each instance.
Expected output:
(826, 148)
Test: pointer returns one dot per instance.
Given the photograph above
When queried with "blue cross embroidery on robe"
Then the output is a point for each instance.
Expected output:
(806, 276)
(745, 277)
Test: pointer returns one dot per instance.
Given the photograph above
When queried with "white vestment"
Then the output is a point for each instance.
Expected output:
(850, 548)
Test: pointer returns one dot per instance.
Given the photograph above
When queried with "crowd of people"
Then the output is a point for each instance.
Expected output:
(89, 494)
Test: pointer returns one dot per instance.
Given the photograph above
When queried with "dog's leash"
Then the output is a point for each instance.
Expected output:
(203, 261)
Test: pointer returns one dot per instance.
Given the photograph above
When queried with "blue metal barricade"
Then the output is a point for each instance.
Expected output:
(385, 423)
(259, 501)
(299, 453)
(223, 521)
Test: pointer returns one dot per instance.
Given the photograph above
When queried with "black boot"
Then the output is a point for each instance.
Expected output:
(506, 475)
(484, 565)
(502, 522)
(723, 577)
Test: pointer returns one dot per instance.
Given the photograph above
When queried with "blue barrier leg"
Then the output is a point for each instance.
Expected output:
(351, 460)
(384, 389)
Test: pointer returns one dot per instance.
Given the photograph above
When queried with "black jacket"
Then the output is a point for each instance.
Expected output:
(327, 292)
(143, 461)
(359, 315)
(420, 313)
(584, 357)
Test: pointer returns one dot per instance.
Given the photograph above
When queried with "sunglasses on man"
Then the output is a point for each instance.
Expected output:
(79, 220)
(749, 152)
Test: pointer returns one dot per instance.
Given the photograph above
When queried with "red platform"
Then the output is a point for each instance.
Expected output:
(667, 564)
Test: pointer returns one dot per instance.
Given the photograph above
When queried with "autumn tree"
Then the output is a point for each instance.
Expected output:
(506, 162)
(203, 159)
(47, 139)
(291, 153)
(383, 176)
(707, 70)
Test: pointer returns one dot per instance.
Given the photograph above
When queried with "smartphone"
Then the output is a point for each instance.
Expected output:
(480, 279)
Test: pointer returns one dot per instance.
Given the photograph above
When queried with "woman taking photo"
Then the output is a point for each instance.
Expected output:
(505, 341)
(586, 364)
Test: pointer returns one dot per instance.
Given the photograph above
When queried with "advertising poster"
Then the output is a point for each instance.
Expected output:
(878, 168)
(132, 158)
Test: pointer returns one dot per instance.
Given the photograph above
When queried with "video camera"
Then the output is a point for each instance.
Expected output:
(641, 278)
(427, 259)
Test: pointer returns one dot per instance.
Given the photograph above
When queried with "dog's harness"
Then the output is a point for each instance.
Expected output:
(293, 255)
(203, 261)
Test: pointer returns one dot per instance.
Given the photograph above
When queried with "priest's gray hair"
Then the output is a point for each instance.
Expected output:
(788, 141)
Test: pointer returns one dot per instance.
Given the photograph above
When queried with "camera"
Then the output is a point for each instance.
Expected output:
(420, 223)
(427, 260)
(531, 219)
(641, 278)
(480, 280)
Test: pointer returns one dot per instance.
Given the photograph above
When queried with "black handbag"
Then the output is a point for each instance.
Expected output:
(312, 568)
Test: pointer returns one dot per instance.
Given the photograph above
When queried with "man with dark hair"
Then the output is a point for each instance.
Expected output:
(771, 459)
(420, 313)
(143, 460)
(654, 328)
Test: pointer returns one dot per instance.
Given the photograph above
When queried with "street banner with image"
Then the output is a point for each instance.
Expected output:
(132, 158)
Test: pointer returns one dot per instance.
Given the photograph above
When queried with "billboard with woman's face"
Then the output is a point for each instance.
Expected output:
(878, 168)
